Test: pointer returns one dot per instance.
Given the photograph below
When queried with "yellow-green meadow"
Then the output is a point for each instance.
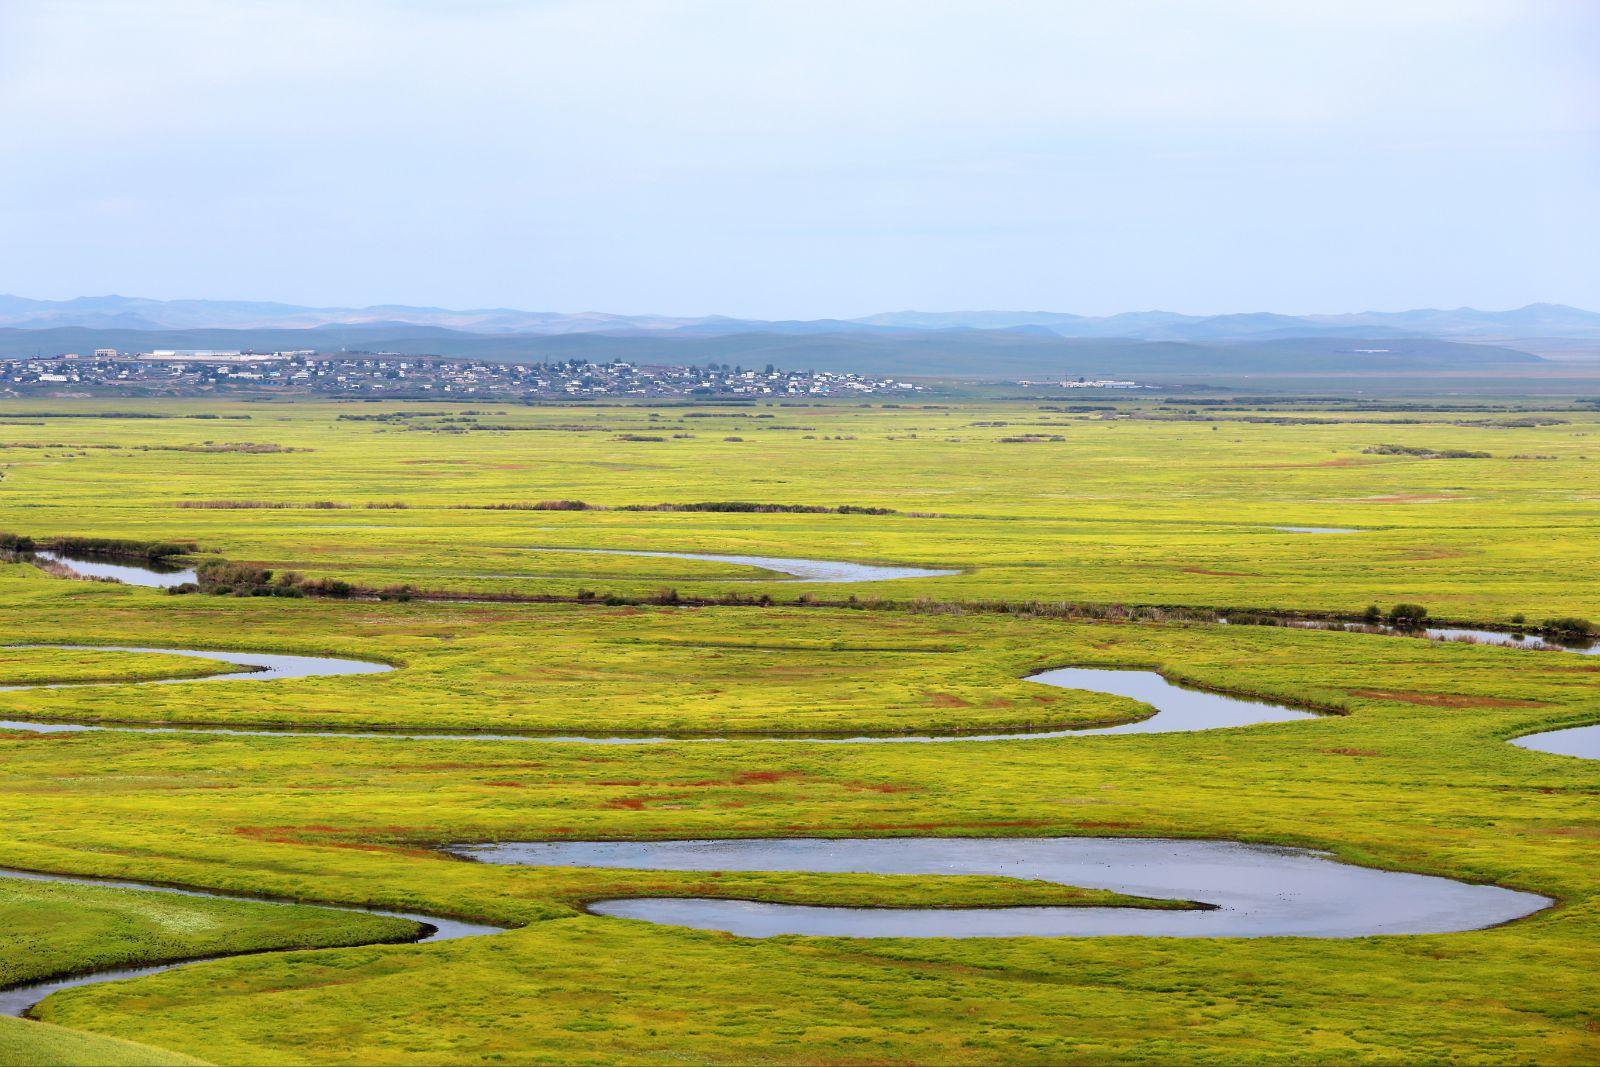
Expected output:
(1145, 506)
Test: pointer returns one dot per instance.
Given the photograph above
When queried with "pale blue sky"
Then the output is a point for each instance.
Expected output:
(802, 158)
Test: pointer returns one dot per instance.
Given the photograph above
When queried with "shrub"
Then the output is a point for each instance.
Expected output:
(540, 505)
(1571, 627)
(117, 546)
(1407, 615)
(16, 542)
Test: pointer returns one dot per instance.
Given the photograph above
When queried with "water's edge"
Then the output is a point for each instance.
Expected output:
(1251, 890)
(19, 1000)
(1178, 708)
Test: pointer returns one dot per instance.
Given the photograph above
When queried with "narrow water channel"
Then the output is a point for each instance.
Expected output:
(799, 570)
(1177, 708)
(18, 999)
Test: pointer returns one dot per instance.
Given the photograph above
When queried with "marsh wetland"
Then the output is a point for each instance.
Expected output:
(652, 714)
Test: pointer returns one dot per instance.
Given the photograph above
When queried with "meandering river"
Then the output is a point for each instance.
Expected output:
(1178, 708)
(1248, 890)
(1245, 890)
(799, 570)
(18, 999)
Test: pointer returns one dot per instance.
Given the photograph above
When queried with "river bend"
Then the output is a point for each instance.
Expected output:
(1246, 890)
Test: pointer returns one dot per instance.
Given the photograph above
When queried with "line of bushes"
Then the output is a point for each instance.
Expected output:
(223, 578)
(115, 547)
(310, 505)
(748, 506)
(1426, 453)
(743, 506)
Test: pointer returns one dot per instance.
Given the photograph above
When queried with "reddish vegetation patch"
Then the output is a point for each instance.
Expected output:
(945, 700)
(638, 803)
(753, 778)
(999, 702)
(1352, 752)
(1444, 700)
(1220, 574)
(1409, 498)
(746, 777)
(878, 787)
(1343, 461)
(312, 835)
(946, 825)
(1432, 553)
(463, 766)
(1570, 831)
(507, 785)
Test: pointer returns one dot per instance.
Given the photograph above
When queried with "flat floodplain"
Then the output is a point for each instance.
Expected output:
(1409, 768)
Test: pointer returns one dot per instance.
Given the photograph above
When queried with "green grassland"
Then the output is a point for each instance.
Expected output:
(35, 1044)
(1410, 770)
(1126, 509)
(113, 927)
(49, 666)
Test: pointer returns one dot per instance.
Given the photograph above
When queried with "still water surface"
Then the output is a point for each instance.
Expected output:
(799, 570)
(1249, 890)
(141, 572)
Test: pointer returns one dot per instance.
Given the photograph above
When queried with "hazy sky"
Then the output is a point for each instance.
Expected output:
(803, 158)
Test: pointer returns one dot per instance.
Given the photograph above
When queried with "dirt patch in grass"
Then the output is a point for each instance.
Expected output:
(1351, 752)
(1343, 461)
(1409, 498)
(316, 836)
(745, 778)
(1444, 700)
(945, 700)
(997, 824)
(1570, 831)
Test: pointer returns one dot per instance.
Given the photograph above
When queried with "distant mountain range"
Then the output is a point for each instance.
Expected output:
(132, 313)
(989, 354)
(979, 344)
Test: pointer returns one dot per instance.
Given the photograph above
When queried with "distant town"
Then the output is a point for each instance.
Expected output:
(106, 372)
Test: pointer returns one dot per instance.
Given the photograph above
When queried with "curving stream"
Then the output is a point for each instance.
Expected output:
(1244, 890)
(18, 999)
(799, 570)
(1178, 708)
